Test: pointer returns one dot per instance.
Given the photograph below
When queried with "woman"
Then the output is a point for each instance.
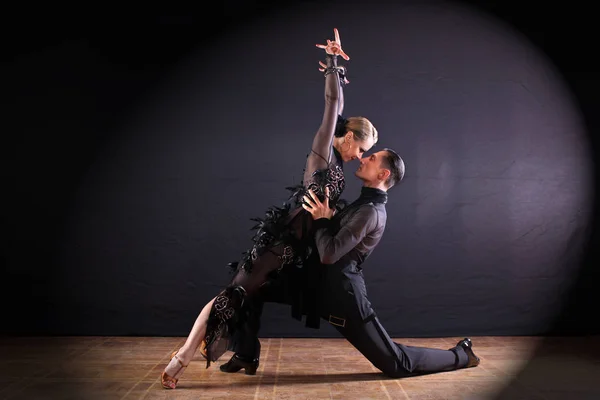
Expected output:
(283, 236)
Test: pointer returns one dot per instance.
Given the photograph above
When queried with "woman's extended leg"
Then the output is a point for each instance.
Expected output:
(185, 354)
(226, 304)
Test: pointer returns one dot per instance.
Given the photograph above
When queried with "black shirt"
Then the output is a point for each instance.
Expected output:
(344, 243)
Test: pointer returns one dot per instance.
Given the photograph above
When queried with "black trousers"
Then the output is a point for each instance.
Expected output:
(369, 337)
(394, 359)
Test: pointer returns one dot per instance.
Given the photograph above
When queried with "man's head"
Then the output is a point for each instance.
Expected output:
(382, 170)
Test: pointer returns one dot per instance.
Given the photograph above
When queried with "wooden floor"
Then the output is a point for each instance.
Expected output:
(129, 368)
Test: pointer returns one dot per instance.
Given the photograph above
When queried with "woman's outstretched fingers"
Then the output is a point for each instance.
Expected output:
(337, 36)
(323, 66)
(339, 44)
(334, 47)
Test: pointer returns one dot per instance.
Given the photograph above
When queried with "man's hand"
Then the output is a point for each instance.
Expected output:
(315, 207)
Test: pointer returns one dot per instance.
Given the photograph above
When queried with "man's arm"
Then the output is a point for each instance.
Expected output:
(333, 247)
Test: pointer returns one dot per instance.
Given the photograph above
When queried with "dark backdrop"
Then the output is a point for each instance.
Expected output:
(137, 147)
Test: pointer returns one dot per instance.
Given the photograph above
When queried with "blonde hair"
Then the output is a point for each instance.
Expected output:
(361, 127)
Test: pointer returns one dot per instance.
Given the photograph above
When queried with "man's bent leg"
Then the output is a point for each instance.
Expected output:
(245, 343)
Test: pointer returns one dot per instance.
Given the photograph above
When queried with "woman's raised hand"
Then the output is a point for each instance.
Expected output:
(335, 47)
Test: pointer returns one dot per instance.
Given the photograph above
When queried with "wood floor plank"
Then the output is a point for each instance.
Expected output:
(291, 368)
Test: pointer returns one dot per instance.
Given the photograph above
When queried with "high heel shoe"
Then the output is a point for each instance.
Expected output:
(167, 381)
(202, 349)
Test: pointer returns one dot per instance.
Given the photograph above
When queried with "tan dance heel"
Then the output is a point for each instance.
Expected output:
(167, 381)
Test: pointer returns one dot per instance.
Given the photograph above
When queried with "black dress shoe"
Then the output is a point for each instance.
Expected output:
(236, 363)
(468, 347)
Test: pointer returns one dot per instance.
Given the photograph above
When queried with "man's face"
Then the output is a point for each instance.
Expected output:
(370, 167)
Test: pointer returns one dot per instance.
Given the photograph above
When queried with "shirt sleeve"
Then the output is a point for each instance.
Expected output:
(333, 246)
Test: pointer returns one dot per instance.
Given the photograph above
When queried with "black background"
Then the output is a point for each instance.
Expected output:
(78, 84)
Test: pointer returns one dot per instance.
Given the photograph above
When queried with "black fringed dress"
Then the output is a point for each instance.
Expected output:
(283, 237)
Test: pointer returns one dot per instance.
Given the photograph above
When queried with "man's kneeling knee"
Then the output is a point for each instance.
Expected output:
(395, 371)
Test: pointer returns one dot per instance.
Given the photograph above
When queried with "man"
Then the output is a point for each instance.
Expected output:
(344, 242)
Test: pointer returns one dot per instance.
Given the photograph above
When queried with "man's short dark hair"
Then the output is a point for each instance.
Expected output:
(394, 163)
